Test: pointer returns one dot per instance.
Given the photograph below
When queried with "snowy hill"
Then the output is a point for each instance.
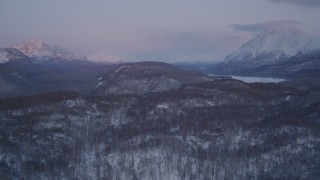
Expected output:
(41, 52)
(272, 45)
(145, 77)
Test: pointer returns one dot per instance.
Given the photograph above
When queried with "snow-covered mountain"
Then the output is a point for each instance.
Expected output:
(40, 52)
(274, 44)
(11, 54)
(280, 50)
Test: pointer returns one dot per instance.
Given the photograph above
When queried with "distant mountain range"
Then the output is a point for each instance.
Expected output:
(41, 52)
(35, 67)
(38, 52)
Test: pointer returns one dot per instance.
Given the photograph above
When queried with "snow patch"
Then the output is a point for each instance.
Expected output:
(163, 106)
(197, 103)
(119, 117)
(99, 84)
(196, 142)
(75, 103)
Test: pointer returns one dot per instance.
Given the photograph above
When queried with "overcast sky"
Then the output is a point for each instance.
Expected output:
(162, 30)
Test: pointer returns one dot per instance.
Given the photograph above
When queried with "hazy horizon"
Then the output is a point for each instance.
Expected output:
(143, 30)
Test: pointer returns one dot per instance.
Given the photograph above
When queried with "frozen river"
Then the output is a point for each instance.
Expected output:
(249, 79)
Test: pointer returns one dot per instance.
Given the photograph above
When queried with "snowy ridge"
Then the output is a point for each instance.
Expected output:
(38, 50)
(273, 44)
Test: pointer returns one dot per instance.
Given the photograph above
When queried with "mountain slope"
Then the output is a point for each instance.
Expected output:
(12, 78)
(300, 65)
(12, 54)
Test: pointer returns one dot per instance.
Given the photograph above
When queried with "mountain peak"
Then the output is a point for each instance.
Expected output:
(32, 47)
(41, 51)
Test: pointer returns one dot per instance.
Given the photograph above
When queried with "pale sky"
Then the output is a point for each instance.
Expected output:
(140, 30)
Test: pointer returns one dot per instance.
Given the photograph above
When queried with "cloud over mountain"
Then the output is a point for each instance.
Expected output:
(258, 27)
(304, 3)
